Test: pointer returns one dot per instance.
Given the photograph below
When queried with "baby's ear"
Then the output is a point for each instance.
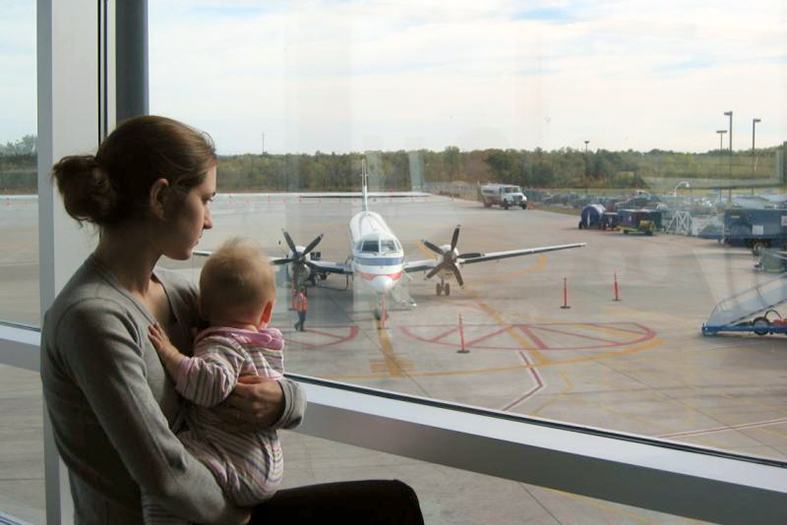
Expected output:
(267, 313)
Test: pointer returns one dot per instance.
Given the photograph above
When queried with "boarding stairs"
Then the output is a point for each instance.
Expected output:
(747, 304)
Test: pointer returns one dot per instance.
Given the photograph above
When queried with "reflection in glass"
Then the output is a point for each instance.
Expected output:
(441, 101)
(19, 301)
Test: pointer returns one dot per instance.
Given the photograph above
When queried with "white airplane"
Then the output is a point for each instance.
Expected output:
(378, 258)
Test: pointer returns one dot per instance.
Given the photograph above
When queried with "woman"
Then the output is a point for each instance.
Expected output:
(113, 410)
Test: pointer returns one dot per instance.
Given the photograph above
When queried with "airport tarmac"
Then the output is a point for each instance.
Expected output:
(638, 365)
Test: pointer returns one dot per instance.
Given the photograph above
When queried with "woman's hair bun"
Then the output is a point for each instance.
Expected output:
(86, 189)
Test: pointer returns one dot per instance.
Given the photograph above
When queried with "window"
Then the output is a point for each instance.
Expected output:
(692, 385)
(19, 297)
(578, 105)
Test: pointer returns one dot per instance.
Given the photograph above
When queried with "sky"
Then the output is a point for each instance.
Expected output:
(345, 75)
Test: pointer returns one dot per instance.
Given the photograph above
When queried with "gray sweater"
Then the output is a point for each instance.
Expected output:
(114, 409)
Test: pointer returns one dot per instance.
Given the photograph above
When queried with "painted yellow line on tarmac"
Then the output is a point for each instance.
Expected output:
(389, 363)
(508, 368)
(569, 388)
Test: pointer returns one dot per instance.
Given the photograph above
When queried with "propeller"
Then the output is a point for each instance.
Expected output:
(449, 257)
(298, 258)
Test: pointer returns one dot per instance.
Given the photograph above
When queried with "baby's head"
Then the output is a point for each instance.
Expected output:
(237, 286)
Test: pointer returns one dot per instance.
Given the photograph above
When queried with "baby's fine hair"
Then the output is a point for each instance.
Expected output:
(236, 277)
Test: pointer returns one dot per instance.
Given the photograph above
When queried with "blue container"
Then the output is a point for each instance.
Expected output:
(591, 216)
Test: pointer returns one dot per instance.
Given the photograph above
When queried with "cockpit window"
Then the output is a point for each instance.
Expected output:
(387, 245)
(370, 245)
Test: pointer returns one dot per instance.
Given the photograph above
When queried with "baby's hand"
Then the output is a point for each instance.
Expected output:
(161, 342)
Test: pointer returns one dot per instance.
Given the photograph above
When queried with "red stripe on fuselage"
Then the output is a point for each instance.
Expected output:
(371, 276)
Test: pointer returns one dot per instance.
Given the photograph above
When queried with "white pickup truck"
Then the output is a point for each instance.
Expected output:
(504, 195)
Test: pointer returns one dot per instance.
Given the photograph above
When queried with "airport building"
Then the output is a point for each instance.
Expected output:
(431, 403)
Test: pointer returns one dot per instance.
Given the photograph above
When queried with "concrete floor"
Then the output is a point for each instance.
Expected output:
(638, 365)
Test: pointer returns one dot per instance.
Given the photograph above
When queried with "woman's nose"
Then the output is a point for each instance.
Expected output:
(208, 220)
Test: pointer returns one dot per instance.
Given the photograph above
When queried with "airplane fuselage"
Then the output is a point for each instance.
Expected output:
(377, 255)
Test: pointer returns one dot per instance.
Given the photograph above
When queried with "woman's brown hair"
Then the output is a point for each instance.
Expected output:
(114, 184)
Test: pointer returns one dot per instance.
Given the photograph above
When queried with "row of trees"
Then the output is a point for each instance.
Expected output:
(402, 170)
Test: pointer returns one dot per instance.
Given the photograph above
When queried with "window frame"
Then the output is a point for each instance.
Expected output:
(661, 476)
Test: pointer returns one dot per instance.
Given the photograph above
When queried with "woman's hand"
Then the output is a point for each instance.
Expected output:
(257, 403)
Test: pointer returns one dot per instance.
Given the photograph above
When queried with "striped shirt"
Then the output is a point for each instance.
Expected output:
(247, 465)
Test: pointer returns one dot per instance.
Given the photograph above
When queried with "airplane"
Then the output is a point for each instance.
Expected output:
(378, 258)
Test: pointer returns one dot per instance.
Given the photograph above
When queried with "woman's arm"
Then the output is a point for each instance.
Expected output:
(104, 353)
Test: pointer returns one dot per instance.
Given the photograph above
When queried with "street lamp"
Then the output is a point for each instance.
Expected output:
(721, 133)
(675, 191)
(586, 166)
(753, 154)
(729, 114)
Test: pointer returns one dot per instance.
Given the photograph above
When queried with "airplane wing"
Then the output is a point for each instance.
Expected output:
(332, 267)
(493, 256)
(323, 266)
(419, 266)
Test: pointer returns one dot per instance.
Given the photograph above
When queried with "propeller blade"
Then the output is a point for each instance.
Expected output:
(289, 241)
(457, 275)
(311, 265)
(283, 261)
(469, 255)
(433, 271)
(311, 245)
(455, 238)
(432, 247)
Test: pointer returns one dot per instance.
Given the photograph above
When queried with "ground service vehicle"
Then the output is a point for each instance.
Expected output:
(755, 228)
(639, 221)
(505, 195)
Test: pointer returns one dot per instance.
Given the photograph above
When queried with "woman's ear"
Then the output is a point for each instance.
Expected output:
(159, 192)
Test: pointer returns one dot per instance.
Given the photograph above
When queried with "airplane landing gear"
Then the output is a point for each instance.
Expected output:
(438, 288)
(381, 312)
(442, 287)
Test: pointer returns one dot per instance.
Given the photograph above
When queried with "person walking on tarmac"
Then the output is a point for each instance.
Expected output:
(300, 302)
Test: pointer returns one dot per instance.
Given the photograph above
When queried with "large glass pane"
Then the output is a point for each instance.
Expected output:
(450, 107)
(19, 300)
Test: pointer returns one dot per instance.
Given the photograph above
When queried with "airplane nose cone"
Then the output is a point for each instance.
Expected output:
(382, 284)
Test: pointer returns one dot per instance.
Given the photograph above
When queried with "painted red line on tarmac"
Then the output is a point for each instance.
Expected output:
(611, 342)
(444, 334)
(643, 330)
(742, 426)
(533, 337)
(353, 333)
(531, 331)
(536, 376)
(497, 332)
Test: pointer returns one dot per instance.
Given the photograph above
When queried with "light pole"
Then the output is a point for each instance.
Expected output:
(263, 143)
(586, 166)
(754, 122)
(721, 133)
(675, 191)
(729, 114)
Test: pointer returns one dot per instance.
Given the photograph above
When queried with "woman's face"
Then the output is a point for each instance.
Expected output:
(190, 218)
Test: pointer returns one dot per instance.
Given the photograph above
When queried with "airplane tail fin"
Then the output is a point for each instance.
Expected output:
(364, 185)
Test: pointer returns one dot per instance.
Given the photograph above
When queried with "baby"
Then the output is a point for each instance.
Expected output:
(237, 292)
